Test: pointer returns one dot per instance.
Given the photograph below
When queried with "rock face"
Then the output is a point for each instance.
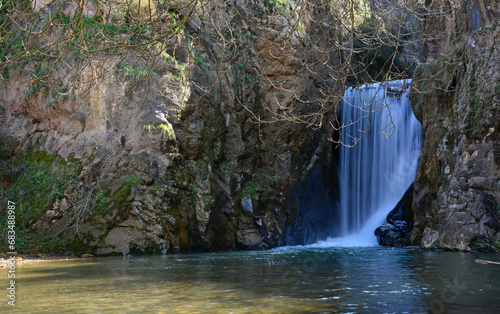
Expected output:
(399, 226)
(169, 150)
(176, 160)
(457, 100)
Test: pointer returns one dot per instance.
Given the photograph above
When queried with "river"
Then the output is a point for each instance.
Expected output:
(290, 279)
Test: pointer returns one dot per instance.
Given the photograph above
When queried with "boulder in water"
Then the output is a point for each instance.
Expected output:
(399, 226)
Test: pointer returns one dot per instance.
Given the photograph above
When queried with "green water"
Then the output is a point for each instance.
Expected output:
(300, 280)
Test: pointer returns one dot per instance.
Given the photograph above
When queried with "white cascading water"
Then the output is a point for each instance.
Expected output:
(375, 173)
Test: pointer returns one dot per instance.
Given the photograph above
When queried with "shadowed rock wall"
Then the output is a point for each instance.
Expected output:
(180, 163)
(457, 99)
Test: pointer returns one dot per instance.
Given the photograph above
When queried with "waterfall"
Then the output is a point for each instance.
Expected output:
(375, 173)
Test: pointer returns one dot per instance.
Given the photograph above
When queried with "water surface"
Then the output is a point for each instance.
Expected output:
(300, 280)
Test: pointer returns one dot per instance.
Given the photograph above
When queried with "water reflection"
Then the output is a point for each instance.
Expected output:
(301, 280)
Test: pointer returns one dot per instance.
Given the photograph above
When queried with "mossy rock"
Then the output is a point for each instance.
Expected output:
(7, 146)
(39, 178)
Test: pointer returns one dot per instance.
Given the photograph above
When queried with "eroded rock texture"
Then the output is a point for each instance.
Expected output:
(457, 99)
(179, 162)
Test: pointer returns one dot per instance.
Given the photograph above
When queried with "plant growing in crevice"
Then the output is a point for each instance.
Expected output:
(129, 71)
(44, 179)
(260, 185)
(161, 128)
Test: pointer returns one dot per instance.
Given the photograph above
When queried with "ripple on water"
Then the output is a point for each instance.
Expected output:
(300, 279)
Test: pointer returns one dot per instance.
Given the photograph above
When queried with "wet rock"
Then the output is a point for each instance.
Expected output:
(398, 229)
(392, 235)
(430, 238)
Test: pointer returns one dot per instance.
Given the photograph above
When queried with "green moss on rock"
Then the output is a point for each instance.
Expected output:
(39, 179)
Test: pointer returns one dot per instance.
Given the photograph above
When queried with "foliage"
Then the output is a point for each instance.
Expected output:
(28, 240)
(38, 178)
(193, 188)
(161, 128)
(51, 44)
(130, 71)
(352, 42)
(120, 196)
(260, 186)
(485, 244)
(43, 179)
(165, 127)
(102, 202)
(282, 7)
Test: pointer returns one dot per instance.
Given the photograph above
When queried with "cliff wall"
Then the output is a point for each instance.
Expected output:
(207, 127)
(164, 152)
(456, 96)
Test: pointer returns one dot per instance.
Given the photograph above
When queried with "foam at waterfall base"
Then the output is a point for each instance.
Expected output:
(354, 240)
(365, 237)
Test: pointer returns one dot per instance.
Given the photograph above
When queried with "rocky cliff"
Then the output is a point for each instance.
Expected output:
(165, 151)
(457, 98)
(195, 128)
